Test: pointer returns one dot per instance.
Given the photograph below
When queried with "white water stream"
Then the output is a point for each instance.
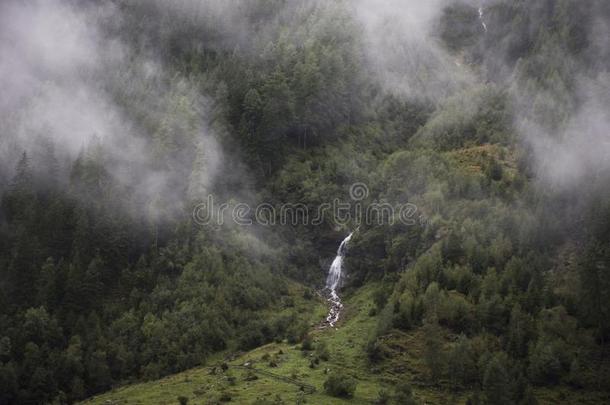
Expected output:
(481, 19)
(333, 282)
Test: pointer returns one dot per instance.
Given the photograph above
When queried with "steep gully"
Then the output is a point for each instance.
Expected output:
(335, 273)
(333, 283)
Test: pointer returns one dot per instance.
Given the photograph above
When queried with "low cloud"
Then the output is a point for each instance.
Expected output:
(66, 79)
(580, 151)
(404, 52)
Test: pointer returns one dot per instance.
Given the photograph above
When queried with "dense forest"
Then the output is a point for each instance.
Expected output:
(119, 117)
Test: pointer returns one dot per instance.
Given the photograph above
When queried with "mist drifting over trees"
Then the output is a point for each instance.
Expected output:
(119, 118)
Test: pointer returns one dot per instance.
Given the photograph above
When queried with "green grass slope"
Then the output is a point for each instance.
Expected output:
(211, 384)
(281, 373)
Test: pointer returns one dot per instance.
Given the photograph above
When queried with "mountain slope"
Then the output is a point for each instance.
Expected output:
(346, 350)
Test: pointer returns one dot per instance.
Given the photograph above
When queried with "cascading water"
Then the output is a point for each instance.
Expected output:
(333, 281)
(481, 19)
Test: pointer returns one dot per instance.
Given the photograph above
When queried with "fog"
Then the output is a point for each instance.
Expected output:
(404, 51)
(403, 48)
(579, 153)
(571, 151)
(67, 79)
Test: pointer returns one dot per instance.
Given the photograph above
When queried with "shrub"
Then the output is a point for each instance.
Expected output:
(307, 344)
(308, 294)
(340, 385)
(381, 296)
(383, 398)
(404, 395)
(225, 397)
(289, 302)
(375, 351)
(494, 171)
(297, 332)
(262, 401)
(250, 376)
(322, 351)
(250, 339)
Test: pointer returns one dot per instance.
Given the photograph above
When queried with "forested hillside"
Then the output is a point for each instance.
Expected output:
(121, 119)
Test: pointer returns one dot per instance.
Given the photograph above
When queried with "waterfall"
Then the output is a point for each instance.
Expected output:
(333, 282)
(481, 19)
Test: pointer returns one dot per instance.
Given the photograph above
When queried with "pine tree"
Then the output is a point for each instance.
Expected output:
(45, 165)
(433, 345)
(98, 372)
(496, 382)
(19, 202)
(519, 332)
(199, 181)
(595, 285)
(8, 383)
(47, 285)
(528, 397)
(462, 367)
(253, 108)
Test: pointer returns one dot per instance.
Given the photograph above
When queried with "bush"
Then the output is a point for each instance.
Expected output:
(381, 295)
(322, 351)
(183, 400)
(375, 351)
(404, 395)
(289, 302)
(340, 385)
(383, 398)
(494, 171)
(250, 376)
(262, 401)
(307, 344)
(297, 332)
(225, 397)
(308, 294)
(251, 338)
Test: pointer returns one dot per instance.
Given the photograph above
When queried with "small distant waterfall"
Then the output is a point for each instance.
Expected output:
(481, 19)
(333, 282)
